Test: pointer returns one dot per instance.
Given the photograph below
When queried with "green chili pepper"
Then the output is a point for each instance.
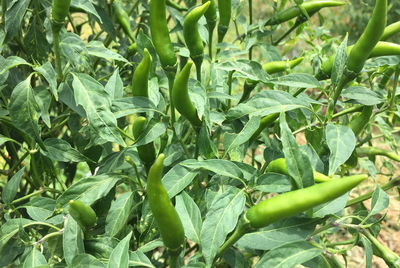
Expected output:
(140, 78)
(165, 215)
(180, 96)
(381, 49)
(225, 13)
(160, 35)
(191, 33)
(390, 30)
(271, 68)
(279, 166)
(123, 20)
(361, 120)
(380, 250)
(291, 203)
(211, 18)
(310, 6)
(83, 214)
(59, 11)
(371, 151)
(369, 38)
(265, 122)
(147, 152)
(36, 171)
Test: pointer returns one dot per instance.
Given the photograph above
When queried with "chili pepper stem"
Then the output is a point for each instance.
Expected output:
(242, 229)
(198, 62)
(171, 79)
(173, 259)
(57, 54)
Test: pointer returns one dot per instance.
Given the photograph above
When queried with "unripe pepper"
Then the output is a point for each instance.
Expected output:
(140, 80)
(371, 151)
(361, 120)
(225, 13)
(83, 214)
(160, 35)
(123, 20)
(279, 166)
(310, 6)
(271, 68)
(147, 152)
(390, 30)
(59, 11)
(211, 18)
(165, 215)
(369, 38)
(191, 33)
(381, 49)
(180, 96)
(292, 203)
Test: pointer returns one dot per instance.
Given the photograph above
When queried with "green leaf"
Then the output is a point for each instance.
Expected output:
(380, 201)
(86, 261)
(119, 257)
(289, 255)
(4, 139)
(218, 166)
(151, 134)
(362, 95)
(138, 258)
(265, 103)
(119, 213)
(40, 208)
(61, 150)
(11, 188)
(245, 134)
(115, 86)
(220, 220)
(341, 142)
(368, 251)
(34, 259)
(88, 190)
(96, 102)
(340, 62)
(278, 234)
(129, 105)
(190, 215)
(97, 49)
(24, 110)
(11, 62)
(298, 163)
(297, 80)
(50, 75)
(178, 178)
(72, 240)
(87, 6)
(14, 15)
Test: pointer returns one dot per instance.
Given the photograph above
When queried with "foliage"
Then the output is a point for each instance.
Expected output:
(71, 128)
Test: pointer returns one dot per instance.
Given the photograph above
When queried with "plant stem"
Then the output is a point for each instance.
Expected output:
(242, 229)
(348, 111)
(229, 82)
(251, 22)
(173, 259)
(171, 79)
(361, 198)
(57, 54)
(38, 192)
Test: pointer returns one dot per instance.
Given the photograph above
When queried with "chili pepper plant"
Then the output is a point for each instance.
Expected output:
(220, 133)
